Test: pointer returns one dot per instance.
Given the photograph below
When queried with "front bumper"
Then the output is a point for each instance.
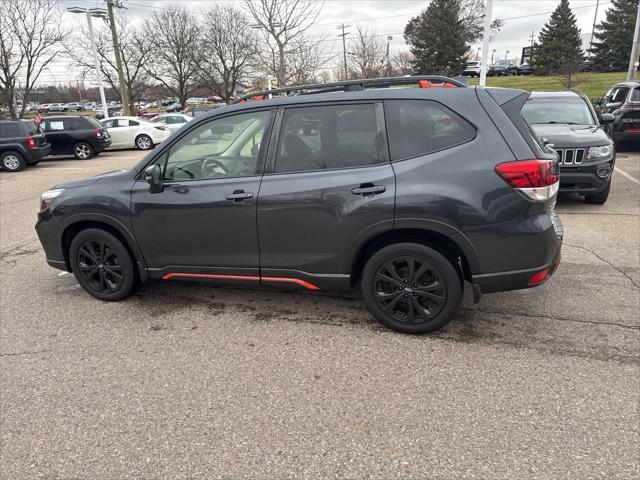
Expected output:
(48, 230)
(585, 179)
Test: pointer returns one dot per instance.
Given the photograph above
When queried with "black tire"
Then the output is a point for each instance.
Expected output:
(83, 151)
(102, 265)
(144, 142)
(12, 161)
(410, 297)
(599, 198)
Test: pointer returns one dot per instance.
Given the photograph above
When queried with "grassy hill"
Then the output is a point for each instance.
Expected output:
(594, 84)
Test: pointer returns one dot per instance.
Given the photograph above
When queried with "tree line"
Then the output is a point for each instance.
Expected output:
(218, 48)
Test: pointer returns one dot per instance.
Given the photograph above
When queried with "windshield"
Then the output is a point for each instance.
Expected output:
(557, 111)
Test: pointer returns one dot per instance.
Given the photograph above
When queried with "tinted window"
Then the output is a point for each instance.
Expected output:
(635, 96)
(337, 136)
(73, 124)
(32, 128)
(224, 147)
(10, 130)
(418, 127)
(618, 94)
(133, 123)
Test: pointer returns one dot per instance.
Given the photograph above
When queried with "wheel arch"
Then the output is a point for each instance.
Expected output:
(457, 251)
(72, 228)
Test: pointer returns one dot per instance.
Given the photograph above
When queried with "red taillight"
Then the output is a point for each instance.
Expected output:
(534, 178)
(538, 277)
(31, 142)
(98, 133)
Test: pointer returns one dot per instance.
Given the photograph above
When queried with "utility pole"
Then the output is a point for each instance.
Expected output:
(124, 92)
(485, 44)
(344, 47)
(633, 60)
(389, 38)
(593, 28)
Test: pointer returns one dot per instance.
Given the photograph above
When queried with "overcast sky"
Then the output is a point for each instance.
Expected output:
(387, 17)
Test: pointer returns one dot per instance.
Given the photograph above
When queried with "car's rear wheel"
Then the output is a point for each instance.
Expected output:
(599, 198)
(102, 264)
(144, 142)
(411, 288)
(82, 151)
(12, 161)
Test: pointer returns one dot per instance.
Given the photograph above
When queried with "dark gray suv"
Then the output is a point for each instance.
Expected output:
(404, 193)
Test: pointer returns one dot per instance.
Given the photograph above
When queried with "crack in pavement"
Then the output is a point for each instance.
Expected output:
(10, 256)
(551, 317)
(15, 354)
(619, 270)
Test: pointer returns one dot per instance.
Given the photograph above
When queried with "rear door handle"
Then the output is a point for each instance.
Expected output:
(369, 189)
(239, 195)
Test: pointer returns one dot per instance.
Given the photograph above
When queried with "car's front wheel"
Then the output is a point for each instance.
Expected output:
(102, 264)
(144, 142)
(411, 288)
(82, 151)
(12, 161)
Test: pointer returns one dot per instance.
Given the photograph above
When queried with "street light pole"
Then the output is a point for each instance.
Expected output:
(94, 12)
(124, 91)
(485, 44)
(633, 61)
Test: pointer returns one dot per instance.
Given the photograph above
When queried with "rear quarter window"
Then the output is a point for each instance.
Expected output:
(420, 127)
(9, 130)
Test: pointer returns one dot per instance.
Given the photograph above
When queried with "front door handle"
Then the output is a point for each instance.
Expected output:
(239, 195)
(369, 189)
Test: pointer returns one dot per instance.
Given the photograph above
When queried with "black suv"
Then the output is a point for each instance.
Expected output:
(405, 193)
(569, 125)
(84, 137)
(21, 143)
(623, 102)
(503, 68)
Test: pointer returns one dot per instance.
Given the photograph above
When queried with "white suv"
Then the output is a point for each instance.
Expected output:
(472, 69)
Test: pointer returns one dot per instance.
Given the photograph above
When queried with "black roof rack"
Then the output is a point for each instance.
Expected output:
(421, 81)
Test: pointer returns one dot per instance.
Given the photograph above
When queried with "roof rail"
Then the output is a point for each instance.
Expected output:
(421, 81)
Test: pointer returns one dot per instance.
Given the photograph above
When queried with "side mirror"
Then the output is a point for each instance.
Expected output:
(595, 101)
(153, 176)
(607, 118)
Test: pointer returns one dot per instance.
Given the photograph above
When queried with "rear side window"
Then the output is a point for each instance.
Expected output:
(329, 137)
(9, 130)
(32, 128)
(618, 94)
(419, 127)
(635, 96)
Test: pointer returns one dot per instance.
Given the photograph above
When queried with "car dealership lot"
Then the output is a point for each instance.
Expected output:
(185, 381)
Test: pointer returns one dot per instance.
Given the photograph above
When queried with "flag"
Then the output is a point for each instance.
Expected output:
(38, 118)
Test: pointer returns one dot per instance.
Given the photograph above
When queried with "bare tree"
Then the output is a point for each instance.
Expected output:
(230, 48)
(367, 54)
(306, 59)
(283, 24)
(174, 36)
(30, 35)
(571, 74)
(134, 50)
(403, 62)
(472, 16)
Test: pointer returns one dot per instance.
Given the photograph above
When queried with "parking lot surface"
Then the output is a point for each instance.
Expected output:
(193, 381)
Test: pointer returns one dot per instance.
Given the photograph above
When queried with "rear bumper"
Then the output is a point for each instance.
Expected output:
(626, 136)
(38, 154)
(102, 144)
(524, 278)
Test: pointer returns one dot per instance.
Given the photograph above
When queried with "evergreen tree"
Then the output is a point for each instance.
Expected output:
(437, 39)
(560, 42)
(614, 36)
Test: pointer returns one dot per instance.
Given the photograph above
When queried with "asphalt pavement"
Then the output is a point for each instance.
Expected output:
(197, 382)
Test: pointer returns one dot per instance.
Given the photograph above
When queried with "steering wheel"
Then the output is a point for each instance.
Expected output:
(213, 168)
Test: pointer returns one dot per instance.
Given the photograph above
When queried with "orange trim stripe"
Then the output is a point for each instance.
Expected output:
(297, 281)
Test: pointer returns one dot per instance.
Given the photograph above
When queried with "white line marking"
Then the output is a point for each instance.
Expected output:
(625, 174)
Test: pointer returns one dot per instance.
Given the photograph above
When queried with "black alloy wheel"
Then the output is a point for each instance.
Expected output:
(411, 288)
(102, 265)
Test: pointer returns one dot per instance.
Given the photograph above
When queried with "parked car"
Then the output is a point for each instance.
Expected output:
(194, 112)
(91, 106)
(135, 132)
(526, 69)
(397, 191)
(21, 143)
(56, 107)
(569, 124)
(173, 121)
(623, 102)
(174, 107)
(503, 68)
(73, 107)
(472, 69)
(83, 137)
(112, 109)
